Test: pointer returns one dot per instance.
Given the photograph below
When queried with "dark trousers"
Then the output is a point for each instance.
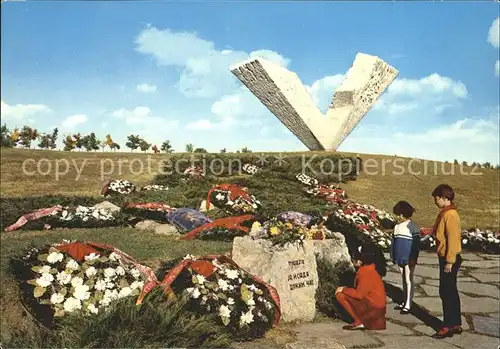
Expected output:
(449, 293)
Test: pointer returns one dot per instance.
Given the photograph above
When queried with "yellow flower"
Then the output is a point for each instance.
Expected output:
(274, 231)
(289, 225)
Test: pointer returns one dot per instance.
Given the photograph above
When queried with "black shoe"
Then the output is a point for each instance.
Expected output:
(456, 330)
(445, 332)
(404, 311)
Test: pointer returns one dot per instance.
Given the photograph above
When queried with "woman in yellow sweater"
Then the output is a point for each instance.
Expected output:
(447, 231)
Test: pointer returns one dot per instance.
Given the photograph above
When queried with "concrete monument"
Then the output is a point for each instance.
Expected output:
(282, 92)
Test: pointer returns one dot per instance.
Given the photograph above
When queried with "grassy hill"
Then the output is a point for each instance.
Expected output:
(383, 181)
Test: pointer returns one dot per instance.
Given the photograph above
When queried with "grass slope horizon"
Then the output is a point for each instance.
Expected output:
(383, 181)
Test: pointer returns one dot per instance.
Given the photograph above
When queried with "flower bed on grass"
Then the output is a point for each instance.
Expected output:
(215, 284)
(74, 277)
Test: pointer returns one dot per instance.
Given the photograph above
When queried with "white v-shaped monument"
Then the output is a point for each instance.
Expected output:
(282, 92)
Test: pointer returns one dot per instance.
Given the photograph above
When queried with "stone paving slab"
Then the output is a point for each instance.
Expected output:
(484, 264)
(490, 256)
(459, 280)
(471, 257)
(486, 325)
(393, 314)
(414, 342)
(468, 304)
(479, 289)
(465, 324)
(334, 329)
(427, 271)
(431, 291)
(484, 277)
(392, 328)
(397, 279)
(473, 341)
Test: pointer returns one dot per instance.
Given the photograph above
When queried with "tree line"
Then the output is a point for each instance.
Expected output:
(27, 135)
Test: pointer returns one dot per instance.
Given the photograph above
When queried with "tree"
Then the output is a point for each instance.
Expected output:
(69, 143)
(464, 163)
(45, 141)
(487, 165)
(6, 139)
(245, 150)
(144, 145)
(15, 136)
(200, 150)
(114, 146)
(103, 145)
(167, 147)
(90, 142)
(28, 135)
(189, 148)
(133, 142)
(78, 141)
(223, 150)
(53, 138)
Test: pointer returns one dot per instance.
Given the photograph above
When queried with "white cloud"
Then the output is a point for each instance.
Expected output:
(20, 112)
(497, 68)
(205, 124)
(141, 120)
(432, 84)
(205, 69)
(146, 88)
(465, 140)
(322, 90)
(494, 33)
(72, 121)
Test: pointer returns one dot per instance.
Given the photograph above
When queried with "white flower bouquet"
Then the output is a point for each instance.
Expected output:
(155, 187)
(307, 180)
(77, 278)
(233, 198)
(118, 186)
(244, 304)
(193, 172)
(485, 241)
(84, 217)
(250, 169)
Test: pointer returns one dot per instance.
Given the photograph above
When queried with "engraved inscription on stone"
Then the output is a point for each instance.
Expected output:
(296, 278)
(282, 92)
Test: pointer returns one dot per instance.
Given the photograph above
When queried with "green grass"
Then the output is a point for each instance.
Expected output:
(476, 196)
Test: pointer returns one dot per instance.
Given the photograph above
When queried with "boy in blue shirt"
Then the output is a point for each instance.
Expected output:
(404, 250)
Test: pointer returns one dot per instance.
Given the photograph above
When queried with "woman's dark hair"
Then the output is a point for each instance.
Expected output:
(404, 209)
(444, 191)
(366, 255)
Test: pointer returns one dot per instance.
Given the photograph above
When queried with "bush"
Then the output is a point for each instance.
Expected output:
(157, 323)
(354, 238)
(337, 168)
(329, 280)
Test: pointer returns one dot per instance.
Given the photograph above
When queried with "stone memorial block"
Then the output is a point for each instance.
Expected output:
(291, 270)
(284, 95)
(334, 251)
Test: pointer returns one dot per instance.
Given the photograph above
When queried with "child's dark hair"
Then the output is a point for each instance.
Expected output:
(444, 191)
(366, 255)
(404, 209)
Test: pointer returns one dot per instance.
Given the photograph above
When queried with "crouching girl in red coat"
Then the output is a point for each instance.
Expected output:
(366, 302)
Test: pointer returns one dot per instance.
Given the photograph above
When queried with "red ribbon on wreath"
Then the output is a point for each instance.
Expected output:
(231, 223)
(234, 190)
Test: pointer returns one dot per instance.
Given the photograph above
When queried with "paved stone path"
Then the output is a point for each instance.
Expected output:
(479, 287)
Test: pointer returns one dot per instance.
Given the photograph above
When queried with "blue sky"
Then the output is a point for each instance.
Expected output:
(161, 70)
